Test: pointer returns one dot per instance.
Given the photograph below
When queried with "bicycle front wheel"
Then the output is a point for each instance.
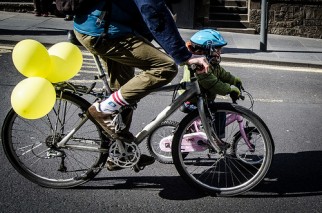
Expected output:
(228, 172)
(30, 145)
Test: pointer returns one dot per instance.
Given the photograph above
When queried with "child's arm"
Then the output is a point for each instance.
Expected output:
(217, 81)
(213, 85)
(225, 76)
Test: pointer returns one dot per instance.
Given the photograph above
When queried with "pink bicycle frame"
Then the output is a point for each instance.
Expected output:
(197, 140)
(232, 117)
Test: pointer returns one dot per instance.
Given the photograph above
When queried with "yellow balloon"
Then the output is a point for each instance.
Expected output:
(31, 58)
(66, 60)
(33, 97)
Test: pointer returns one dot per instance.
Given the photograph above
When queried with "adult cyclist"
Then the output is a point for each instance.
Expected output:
(126, 45)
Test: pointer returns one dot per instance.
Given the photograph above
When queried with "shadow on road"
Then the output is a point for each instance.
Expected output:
(170, 187)
(291, 174)
(294, 174)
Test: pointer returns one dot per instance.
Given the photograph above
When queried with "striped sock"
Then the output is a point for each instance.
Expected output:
(113, 103)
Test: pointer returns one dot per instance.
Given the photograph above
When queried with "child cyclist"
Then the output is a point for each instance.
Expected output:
(209, 43)
(217, 80)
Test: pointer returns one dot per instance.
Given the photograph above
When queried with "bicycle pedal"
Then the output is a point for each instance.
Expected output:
(137, 169)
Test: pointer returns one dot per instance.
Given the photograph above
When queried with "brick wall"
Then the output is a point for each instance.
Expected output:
(286, 17)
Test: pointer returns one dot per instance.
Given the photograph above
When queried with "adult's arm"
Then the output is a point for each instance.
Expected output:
(163, 28)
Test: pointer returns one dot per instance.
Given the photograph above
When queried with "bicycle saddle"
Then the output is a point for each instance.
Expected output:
(72, 38)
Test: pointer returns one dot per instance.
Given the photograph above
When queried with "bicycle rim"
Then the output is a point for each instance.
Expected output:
(224, 174)
(30, 145)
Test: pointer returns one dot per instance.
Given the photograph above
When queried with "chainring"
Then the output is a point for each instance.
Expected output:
(126, 159)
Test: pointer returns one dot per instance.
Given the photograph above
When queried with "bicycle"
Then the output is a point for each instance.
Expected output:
(65, 149)
(242, 142)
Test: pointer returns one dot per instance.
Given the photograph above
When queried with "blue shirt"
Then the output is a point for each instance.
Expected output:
(91, 24)
(149, 18)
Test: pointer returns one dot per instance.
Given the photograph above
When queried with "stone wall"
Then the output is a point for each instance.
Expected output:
(286, 17)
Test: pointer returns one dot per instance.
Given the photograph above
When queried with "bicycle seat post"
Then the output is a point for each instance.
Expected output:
(102, 74)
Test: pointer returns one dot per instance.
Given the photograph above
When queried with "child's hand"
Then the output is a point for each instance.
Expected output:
(234, 93)
(237, 82)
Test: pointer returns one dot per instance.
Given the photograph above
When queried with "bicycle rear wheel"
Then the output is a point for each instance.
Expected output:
(30, 145)
(159, 141)
(223, 173)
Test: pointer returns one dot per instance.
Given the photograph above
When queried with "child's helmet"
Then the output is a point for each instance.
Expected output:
(204, 39)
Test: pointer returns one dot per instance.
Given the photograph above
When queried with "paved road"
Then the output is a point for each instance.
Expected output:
(289, 101)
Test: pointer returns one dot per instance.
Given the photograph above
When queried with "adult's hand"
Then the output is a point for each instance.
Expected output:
(201, 61)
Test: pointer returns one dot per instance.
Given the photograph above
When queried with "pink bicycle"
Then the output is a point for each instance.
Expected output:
(244, 140)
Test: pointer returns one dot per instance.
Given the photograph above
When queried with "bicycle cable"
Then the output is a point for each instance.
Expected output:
(175, 92)
(251, 99)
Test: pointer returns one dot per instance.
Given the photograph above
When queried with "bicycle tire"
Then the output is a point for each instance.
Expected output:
(28, 145)
(164, 131)
(222, 174)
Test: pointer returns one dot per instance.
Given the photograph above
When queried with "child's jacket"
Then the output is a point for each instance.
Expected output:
(216, 81)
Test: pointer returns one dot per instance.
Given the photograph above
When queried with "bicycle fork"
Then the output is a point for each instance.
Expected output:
(211, 134)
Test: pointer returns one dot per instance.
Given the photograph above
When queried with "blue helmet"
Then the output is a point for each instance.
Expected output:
(208, 38)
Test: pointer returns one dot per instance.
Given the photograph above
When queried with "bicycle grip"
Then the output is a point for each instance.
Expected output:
(241, 89)
(195, 67)
(240, 86)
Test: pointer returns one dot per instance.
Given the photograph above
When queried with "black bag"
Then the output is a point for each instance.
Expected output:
(75, 7)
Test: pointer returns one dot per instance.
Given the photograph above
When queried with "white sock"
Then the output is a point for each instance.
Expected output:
(113, 103)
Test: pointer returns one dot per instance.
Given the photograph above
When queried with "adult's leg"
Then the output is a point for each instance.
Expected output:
(119, 74)
(133, 51)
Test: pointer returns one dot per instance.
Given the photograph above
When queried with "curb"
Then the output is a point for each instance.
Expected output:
(271, 62)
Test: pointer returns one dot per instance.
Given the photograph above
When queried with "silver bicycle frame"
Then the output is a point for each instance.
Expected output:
(192, 90)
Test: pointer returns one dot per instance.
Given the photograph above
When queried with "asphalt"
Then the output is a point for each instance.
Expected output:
(245, 48)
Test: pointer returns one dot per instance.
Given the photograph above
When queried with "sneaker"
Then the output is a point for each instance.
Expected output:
(187, 107)
(145, 160)
(110, 166)
(109, 123)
